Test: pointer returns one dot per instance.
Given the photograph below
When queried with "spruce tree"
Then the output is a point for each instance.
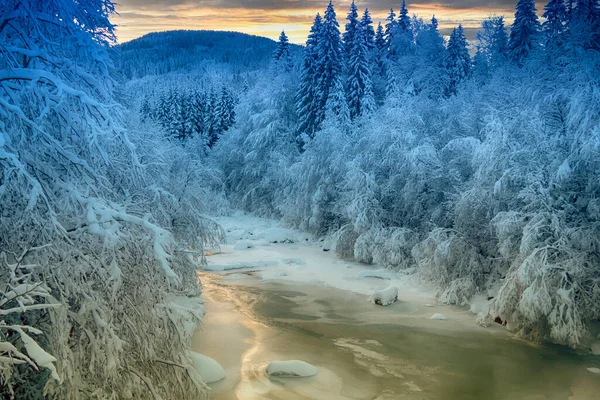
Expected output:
(282, 53)
(366, 23)
(351, 27)
(379, 65)
(390, 27)
(359, 84)
(379, 43)
(404, 18)
(555, 14)
(584, 25)
(402, 40)
(458, 61)
(307, 100)
(329, 51)
(524, 31)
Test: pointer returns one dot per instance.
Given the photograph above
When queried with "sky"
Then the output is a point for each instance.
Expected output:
(268, 17)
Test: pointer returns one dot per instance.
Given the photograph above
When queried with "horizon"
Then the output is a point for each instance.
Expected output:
(137, 18)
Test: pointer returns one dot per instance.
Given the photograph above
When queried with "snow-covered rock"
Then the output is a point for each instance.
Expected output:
(209, 369)
(291, 368)
(384, 296)
(243, 245)
(237, 234)
(438, 316)
(594, 370)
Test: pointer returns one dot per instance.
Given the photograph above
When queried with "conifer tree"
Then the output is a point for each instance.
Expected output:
(404, 18)
(379, 65)
(351, 27)
(336, 108)
(329, 51)
(402, 39)
(366, 23)
(307, 101)
(390, 27)
(584, 24)
(282, 52)
(359, 84)
(555, 14)
(379, 43)
(459, 61)
(524, 31)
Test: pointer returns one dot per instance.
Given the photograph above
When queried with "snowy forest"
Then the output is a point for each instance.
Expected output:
(471, 165)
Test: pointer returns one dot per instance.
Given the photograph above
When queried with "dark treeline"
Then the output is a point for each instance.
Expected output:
(184, 114)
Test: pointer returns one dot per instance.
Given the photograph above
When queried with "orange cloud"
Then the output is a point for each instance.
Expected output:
(134, 22)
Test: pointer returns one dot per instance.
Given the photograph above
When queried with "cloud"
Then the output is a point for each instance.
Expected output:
(269, 17)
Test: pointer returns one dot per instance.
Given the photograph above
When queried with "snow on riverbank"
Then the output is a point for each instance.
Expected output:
(274, 253)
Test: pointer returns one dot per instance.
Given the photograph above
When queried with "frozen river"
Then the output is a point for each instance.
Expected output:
(364, 351)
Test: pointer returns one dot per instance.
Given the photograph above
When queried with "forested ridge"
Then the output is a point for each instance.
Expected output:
(473, 166)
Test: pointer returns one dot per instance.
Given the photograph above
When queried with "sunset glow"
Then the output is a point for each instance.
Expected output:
(138, 17)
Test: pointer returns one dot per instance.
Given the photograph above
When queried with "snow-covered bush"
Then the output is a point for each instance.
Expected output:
(99, 225)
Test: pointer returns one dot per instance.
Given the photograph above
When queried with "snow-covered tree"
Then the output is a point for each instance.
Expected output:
(390, 27)
(492, 41)
(282, 54)
(94, 272)
(555, 14)
(524, 31)
(360, 87)
(307, 99)
(366, 23)
(458, 61)
(329, 52)
(352, 26)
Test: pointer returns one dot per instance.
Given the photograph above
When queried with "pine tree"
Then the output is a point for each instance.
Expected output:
(359, 84)
(380, 44)
(379, 65)
(458, 61)
(282, 53)
(351, 27)
(330, 53)
(307, 101)
(524, 31)
(145, 110)
(584, 24)
(402, 40)
(336, 108)
(404, 18)
(555, 14)
(366, 23)
(390, 27)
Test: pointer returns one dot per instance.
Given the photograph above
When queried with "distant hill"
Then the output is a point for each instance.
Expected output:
(163, 52)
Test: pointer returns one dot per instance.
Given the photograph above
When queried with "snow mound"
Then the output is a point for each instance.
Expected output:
(374, 273)
(594, 370)
(210, 370)
(243, 245)
(291, 368)
(384, 296)
(438, 317)
(237, 234)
